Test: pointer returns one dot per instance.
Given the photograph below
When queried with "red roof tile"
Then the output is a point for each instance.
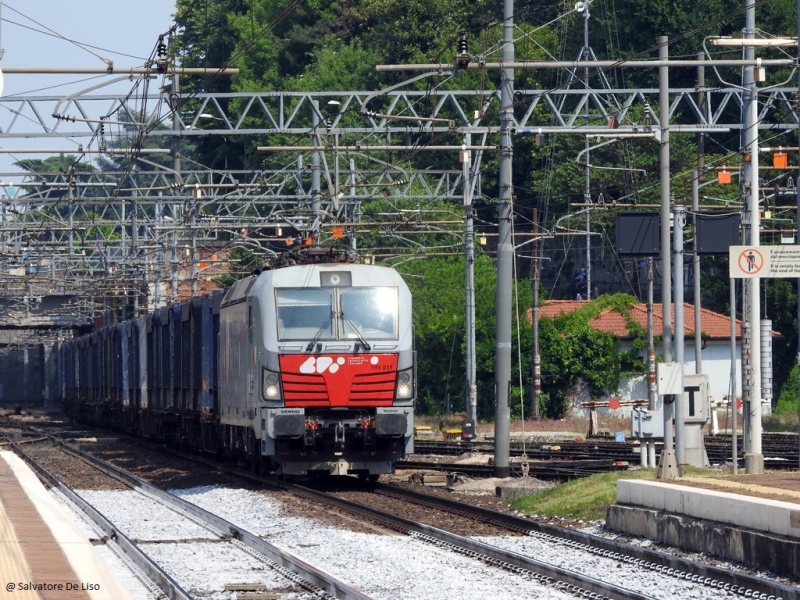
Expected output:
(555, 308)
(712, 324)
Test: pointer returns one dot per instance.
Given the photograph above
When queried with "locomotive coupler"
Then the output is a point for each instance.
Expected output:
(339, 437)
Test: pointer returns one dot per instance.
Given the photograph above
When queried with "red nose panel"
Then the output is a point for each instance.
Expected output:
(338, 380)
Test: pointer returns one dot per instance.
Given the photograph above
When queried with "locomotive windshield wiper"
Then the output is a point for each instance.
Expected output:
(360, 337)
(319, 333)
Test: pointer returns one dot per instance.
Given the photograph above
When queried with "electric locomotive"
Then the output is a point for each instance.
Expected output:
(316, 365)
(305, 369)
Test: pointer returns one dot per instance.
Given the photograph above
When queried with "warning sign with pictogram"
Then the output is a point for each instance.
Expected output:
(750, 261)
(764, 261)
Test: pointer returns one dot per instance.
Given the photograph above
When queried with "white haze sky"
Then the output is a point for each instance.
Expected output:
(31, 35)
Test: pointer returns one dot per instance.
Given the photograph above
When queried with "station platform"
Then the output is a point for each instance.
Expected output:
(751, 519)
(43, 554)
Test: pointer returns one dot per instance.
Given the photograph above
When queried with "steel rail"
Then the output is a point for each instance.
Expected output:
(741, 583)
(293, 567)
(571, 581)
(551, 470)
(498, 558)
(150, 568)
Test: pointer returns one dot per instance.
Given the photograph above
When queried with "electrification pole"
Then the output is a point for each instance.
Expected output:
(698, 338)
(679, 217)
(587, 190)
(797, 241)
(651, 362)
(469, 245)
(315, 172)
(176, 166)
(701, 149)
(753, 458)
(505, 254)
(667, 467)
(536, 366)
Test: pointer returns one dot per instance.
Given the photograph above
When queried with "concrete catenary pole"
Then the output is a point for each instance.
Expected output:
(505, 254)
(753, 458)
(698, 341)
(469, 246)
(679, 217)
(797, 241)
(668, 468)
(701, 160)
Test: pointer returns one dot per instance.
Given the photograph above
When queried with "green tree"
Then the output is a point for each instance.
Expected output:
(571, 350)
(54, 165)
(787, 400)
(438, 289)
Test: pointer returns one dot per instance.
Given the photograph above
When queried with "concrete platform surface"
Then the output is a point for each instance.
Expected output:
(43, 554)
(753, 519)
(743, 510)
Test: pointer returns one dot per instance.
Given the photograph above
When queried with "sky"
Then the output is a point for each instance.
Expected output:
(31, 35)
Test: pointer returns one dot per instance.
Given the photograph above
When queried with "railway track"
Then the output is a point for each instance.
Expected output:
(708, 576)
(308, 581)
(469, 553)
(564, 580)
(149, 571)
(780, 451)
(716, 581)
(666, 566)
(558, 470)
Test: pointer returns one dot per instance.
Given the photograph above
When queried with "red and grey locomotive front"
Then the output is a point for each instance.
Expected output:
(328, 384)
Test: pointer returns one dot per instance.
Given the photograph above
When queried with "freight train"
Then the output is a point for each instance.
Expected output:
(301, 370)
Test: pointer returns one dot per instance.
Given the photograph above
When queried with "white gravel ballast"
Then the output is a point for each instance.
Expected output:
(389, 567)
(381, 566)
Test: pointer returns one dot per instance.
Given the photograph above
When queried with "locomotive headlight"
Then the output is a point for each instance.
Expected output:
(405, 386)
(271, 388)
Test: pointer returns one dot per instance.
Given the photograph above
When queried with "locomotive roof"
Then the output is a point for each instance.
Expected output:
(308, 276)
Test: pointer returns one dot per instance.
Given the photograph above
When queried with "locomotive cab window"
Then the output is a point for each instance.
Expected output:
(305, 313)
(369, 312)
(337, 313)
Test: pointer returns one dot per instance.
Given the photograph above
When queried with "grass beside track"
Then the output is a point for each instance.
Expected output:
(588, 498)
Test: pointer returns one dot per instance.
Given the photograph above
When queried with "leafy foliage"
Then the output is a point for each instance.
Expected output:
(787, 401)
(572, 350)
(438, 285)
(315, 45)
(54, 164)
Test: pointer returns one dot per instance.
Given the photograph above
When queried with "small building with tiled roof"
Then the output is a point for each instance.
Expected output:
(713, 325)
(715, 349)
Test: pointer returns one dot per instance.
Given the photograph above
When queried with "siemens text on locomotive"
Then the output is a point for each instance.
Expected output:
(304, 369)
